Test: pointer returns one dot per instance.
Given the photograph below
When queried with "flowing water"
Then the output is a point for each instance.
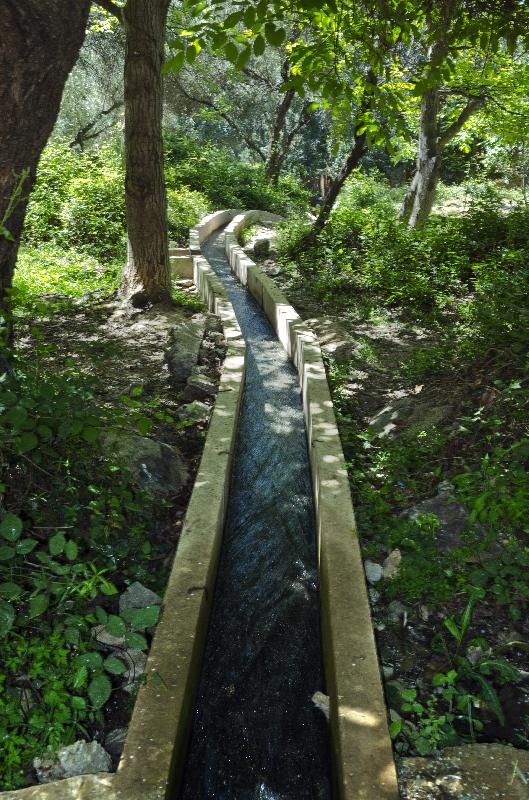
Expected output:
(256, 735)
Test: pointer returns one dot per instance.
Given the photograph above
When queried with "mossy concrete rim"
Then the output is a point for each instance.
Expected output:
(364, 768)
(155, 747)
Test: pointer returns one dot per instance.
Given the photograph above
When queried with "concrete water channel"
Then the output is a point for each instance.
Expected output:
(256, 733)
(230, 715)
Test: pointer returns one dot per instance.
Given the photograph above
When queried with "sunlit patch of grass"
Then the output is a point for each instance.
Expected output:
(48, 270)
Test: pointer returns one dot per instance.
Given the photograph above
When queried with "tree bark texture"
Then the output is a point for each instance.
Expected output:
(146, 278)
(420, 196)
(39, 44)
(276, 154)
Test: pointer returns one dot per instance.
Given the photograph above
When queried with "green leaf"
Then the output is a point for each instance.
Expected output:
(25, 546)
(11, 527)
(453, 628)
(141, 618)
(90, 434)
(57, 543)
(91, 660)
(136, 641)
(38, 605)
(231, 52)
(71, 550)
(99, 690)
(6, 552)
(174, 64)
(488, 693)
(395, 728)
(101, 615)
(259, 45)
(10, 590)
(115, 666)
(28, 441)
(115, 626)
(78, 703)
(7, 617)
(408, 694)
(275, 36)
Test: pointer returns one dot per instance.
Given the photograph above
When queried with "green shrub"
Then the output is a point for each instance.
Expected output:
(185, 207)
(78, 201)
(227, 182)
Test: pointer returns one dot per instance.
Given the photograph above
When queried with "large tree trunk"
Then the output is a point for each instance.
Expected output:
(421, 194)
(146, 278)
(39, 44)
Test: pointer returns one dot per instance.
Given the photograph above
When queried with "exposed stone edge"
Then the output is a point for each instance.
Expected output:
(364, 767)
(157, 737)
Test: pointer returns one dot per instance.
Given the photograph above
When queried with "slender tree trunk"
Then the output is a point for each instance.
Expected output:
(421, 194)
(276, 156)
(146, 278)
(39, 44)
(353, 159)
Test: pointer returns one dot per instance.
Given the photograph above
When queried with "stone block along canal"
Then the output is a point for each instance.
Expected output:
(256, 735)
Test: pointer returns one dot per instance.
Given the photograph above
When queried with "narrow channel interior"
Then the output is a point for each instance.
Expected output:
(256, 735)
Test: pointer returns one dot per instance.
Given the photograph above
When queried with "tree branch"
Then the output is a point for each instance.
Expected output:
(205, 102)
(83, 134)
(112, 8)
(453, 129)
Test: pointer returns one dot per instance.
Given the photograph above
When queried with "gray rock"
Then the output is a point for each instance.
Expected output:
(199, 385)
(452, 516)
(321, 701)
(182, 354)
(135, 661)
(79, 758)
(396, 611)
(155, 466)
(115, 741)
(373, 571)
(106, 639)
(388, 672)
(196, 411)
(261, 248)
(409, 413)
(374, 596)
(391, 564)
(138, 596)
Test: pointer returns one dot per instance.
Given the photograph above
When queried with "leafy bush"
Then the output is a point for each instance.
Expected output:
(185, 207)
(227, 182)
(78, 200)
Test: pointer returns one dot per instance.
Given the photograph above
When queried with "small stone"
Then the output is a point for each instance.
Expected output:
(391, 564)
(261, 248)
(446, 489)
(394, 715)
(79, 758)
(135, 661)
(115, 741)
(196, 411)
(321, 701)
(138, 596)
(397, 611)
(106, 639)
(424, 613)
(387, 671)
(475, 654)
(374, 596)
(373, 571)
(158, 467)
(199, 385)
(183, 351)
